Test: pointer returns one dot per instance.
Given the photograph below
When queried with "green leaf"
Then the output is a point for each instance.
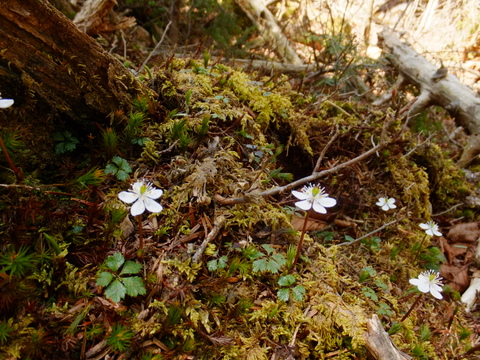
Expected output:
(131, 267)
(273, 266)
(116, 291)
(286, 280)
(134, 286)
(368, 292)
(298, 292)
(115, 261)
(283, 294)
(280, 259)
(268, 248)
(104, 278)
(212, 265)
(259, 265)
(222, 262)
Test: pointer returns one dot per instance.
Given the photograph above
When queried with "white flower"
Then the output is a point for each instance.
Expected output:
(386, 204)
(143, 196)
(5, 103)
(431, 228)
(429, 281)
(314, 196)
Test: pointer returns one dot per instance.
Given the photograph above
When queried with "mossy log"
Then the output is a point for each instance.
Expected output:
(43, 53)
(436, 86)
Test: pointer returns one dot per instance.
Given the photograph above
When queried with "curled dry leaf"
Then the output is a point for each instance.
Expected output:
(457, 276)
(468, 232)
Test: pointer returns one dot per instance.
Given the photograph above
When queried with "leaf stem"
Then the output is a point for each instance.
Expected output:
(411, 307)
(140, 231)
(300, 242)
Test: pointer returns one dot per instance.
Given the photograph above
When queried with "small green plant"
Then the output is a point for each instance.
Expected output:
(270, 262)
(215, 264)
(133, 129)
(66, 142)
(12, 142)
(119, 338)
(93, 177)
(118, 167)
(297, 292)
(367, 273)
(17, 263)
(117, 285)
(5, 331)
(110, 141)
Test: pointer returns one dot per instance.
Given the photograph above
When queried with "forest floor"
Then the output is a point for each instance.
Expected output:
(226, 261)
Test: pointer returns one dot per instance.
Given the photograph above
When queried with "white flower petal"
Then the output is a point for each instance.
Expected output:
(385, 207)
(128, 197)
(424, 226)
(319, 208)
(137, 208)
(300, 195)
(423, 286)
(153, 206)
(327, 202)
(304, 205)
(137, 187)
(6, 103)
(154, 194)
(436, 232)
(414, 282)
(435, 291)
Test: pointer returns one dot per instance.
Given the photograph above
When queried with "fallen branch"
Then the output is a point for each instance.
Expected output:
(378, 342)
(218, 224)
(436, 86)
(315, 176)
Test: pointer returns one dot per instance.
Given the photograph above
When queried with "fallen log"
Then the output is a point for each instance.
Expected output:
(436, 86)
(54, 61)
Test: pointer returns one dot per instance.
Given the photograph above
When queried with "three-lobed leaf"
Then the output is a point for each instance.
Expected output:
(134, 286)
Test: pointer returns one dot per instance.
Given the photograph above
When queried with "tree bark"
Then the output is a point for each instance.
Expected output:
(57, 62)
(435, 89)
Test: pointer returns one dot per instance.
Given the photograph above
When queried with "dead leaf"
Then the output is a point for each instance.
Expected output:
(457, 276)
(467, 232)
(312, 224)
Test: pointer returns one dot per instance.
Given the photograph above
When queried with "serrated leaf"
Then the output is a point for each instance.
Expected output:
(298, 292)
(280, 259)
(286, 280)
(104, 278)
(212, 265)
(283, 294)
(222, 262)
(273, 266)
(115, 261)
(116, 291)
(131, 267)
(259, 265)
(268, 248)
(110, 169)
(134, 286)
(122, 175)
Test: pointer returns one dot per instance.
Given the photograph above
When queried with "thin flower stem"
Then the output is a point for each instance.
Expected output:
(140, 231)
(419, 248)
(411, 307)
(300, 242)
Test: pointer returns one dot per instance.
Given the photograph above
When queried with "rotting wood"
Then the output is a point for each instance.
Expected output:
(268, 28)
(96, 16)
(447, 92)
(379, 344)
(44, 52)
